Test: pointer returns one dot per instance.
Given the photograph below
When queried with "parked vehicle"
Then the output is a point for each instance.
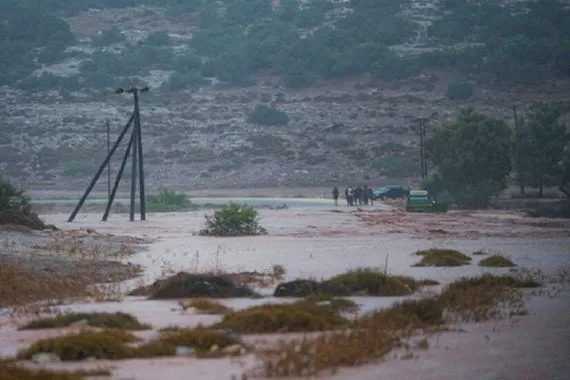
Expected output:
(391, 192)
(422, 201)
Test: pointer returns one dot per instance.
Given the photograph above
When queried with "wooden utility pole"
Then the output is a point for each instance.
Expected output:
(134, 145)
(109, 162)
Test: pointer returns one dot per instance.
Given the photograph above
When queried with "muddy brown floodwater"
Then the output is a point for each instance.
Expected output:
(323, 242)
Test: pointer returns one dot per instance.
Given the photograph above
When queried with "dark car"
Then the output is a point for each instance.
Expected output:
(391, 192)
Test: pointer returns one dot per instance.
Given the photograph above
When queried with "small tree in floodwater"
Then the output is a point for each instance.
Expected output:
(233, 220)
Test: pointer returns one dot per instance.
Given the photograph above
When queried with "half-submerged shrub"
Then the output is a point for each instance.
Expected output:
(410, 314)
(374, 336)
(233, 220)
(496, 261)
(87, 344)
(437, 257)
(367, 281)
(116, 345)
(105, 320)
(282, 318)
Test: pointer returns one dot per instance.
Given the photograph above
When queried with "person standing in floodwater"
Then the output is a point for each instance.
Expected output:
(335, 194)
(365, 195)
(350, 196)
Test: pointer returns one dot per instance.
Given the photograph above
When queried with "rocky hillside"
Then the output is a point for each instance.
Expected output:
(220, 114)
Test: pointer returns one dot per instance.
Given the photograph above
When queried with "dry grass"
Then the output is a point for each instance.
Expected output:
(310, 356)
(11, 371)
(368, 281)
(205, 306)
(105, 320)
(485, 297)
(20, 286)
(436, 257)
(68, 269)
(372, 337)
(496, 261)
(410, 315)
(298, 317)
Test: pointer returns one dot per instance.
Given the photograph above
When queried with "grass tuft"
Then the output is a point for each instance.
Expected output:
(436, 257)
(498, 261)
(484, 297)
(297, 317)
(341, 305)
(116, 345)
(368, 281)
(410, 315)
(105, 320)
(205, 342)
(83, 345)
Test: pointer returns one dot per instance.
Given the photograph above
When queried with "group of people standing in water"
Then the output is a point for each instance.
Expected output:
(361, 195)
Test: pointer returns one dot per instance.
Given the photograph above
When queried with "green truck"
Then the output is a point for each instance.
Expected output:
(422, 201)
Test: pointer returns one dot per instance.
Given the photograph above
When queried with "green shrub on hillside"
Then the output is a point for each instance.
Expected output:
(265, 115)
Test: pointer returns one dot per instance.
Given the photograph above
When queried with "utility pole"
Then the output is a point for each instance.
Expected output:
(109, 162)
(134, 145)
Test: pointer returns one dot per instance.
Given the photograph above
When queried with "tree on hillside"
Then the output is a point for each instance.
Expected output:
(472, 156)
(543, 139)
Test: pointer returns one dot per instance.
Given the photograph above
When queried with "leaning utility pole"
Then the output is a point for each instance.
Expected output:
(134, 145)
(108, 125)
